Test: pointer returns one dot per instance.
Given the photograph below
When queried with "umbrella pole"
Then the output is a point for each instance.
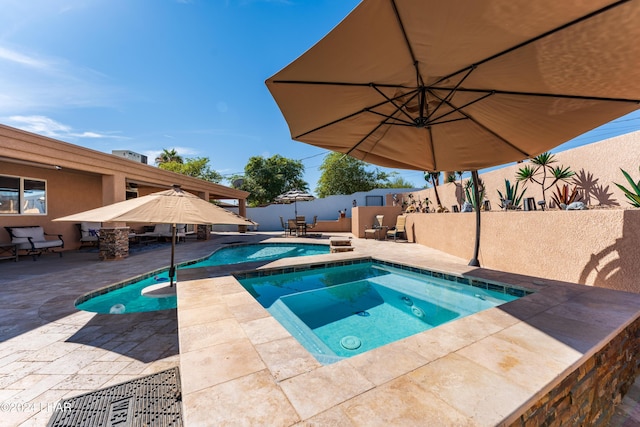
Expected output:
(172, 269)
(476, 193)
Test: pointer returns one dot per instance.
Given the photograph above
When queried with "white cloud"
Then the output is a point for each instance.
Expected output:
(22, 59)
(46, 126)
(31, 82)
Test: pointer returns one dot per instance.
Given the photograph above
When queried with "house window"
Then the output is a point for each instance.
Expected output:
(22, 196)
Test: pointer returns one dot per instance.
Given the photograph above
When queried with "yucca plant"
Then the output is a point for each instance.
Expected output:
(634, 194)
(511, 194)
(543, 164)
(562, 196)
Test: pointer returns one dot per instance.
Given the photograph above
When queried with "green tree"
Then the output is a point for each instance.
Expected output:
(543, 164)
(197, 167)
(396, 181)
(342, 174)
(168, 156)
(267, 178)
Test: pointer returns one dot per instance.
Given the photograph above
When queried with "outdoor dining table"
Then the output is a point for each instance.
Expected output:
(301, 225)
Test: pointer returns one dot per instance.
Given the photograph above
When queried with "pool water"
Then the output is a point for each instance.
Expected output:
(260, 252)
(338, 312)
(128, 298)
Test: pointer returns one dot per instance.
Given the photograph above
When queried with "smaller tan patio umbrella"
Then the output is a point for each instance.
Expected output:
(174, 206)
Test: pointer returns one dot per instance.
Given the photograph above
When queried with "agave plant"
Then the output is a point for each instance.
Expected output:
(633, 196)
(470, 194)
(511, 194)
(562, 196)
(543, 165)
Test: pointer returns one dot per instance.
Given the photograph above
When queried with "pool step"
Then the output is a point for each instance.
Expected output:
(340, 244)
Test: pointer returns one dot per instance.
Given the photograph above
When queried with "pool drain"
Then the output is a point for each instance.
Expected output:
(350, 342)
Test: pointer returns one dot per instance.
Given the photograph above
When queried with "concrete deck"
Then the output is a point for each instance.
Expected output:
(240, 367)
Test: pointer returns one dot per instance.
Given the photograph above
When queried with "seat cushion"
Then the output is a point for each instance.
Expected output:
(89, 230)
(22, 234)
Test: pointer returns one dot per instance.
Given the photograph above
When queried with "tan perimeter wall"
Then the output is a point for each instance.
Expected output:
(593, 247)
(597, 167)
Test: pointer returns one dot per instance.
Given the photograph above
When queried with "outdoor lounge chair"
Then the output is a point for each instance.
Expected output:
(89, 233)
(375, 229)
(34, 241)
(398, 228)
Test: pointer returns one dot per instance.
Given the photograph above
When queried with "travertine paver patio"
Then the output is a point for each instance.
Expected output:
(241, 367)
(49, 350)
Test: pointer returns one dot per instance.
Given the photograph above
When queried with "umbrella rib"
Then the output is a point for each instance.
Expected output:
(419, 81)
(398, 108)
(366, 136)
(364, 110)
(455, 109)
(452, 92)
(549, 95)
(312, 82)
(538, 37)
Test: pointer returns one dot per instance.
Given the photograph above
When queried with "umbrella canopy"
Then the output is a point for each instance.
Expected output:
(173, 206)
(458, 85)
(294, 196)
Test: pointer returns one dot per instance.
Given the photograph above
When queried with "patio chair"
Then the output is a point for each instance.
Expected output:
(285, 226)
(374, 230)
(314, 223)
(398, 228)
(89, 233)
(292, 225)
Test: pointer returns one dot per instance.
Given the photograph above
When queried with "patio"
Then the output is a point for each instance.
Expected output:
(50, 351)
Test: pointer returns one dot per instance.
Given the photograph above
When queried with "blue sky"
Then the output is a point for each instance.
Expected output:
(144, 75)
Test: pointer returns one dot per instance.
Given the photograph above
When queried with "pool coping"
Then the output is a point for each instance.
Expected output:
(123, 283)
(235, 354)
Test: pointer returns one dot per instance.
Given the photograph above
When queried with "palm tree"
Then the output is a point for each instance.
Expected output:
(434, 178)
(168, 156)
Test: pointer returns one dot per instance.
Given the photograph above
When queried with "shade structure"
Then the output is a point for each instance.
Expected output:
(293, 196)
(463, 85)
(174, 206)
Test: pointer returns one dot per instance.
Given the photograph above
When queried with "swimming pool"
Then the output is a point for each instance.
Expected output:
(340, 311)
(126, 297)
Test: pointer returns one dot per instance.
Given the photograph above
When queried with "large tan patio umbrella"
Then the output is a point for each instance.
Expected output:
(174, 206)
(463, 85)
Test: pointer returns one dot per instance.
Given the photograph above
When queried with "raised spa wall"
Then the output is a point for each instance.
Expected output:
(587, 396)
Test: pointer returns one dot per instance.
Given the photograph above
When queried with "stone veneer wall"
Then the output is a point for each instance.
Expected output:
(203, 232)
(588, 395)
(114, 243)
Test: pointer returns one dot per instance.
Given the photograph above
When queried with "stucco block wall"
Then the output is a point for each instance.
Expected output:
(592, 247)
